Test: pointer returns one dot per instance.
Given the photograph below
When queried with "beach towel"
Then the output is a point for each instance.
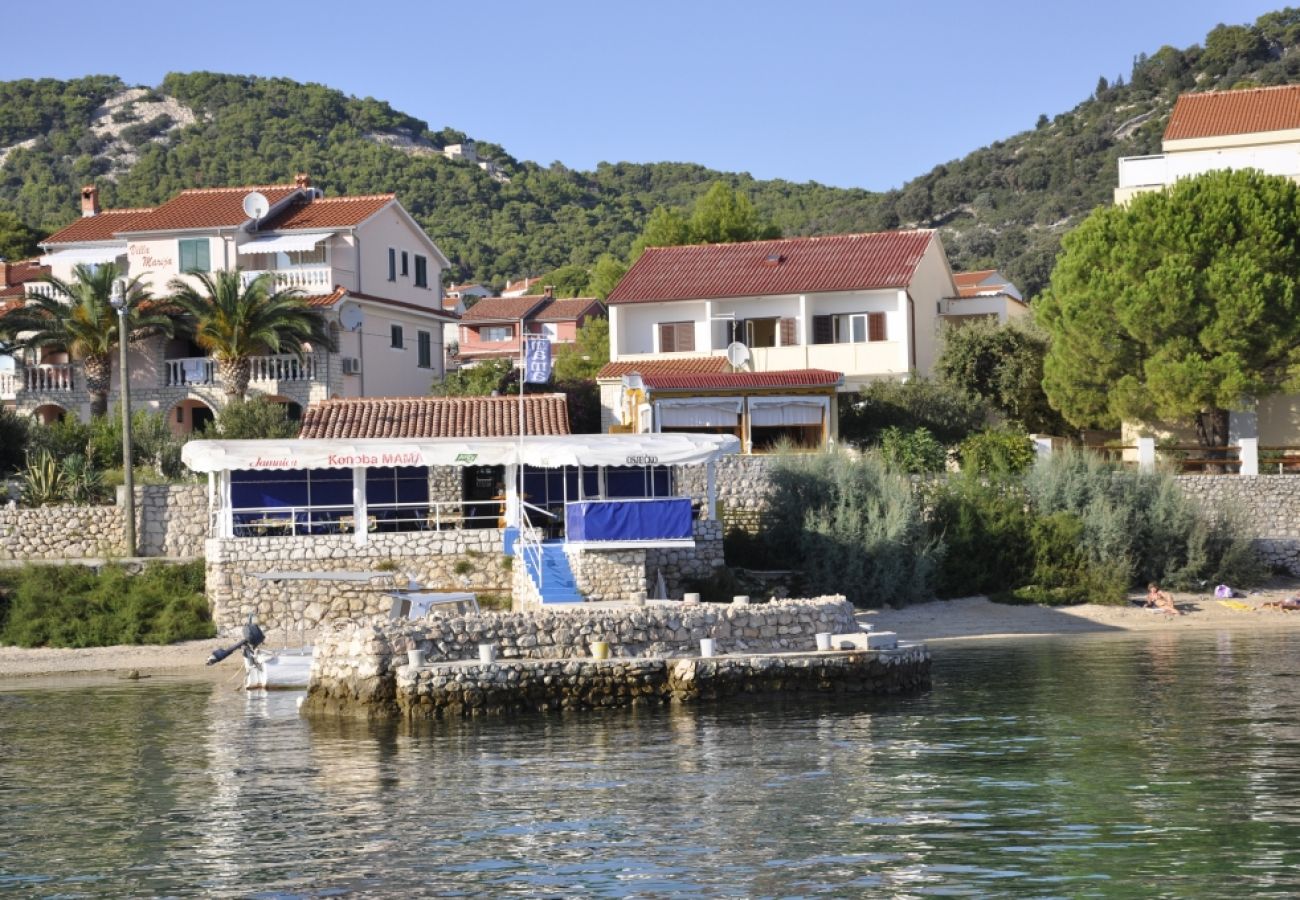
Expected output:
(1236, 606)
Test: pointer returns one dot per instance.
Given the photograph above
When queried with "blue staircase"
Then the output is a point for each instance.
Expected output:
(557, 581)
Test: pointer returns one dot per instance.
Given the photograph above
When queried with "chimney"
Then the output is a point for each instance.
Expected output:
(549, 292)
(302, 180)
(90, 200)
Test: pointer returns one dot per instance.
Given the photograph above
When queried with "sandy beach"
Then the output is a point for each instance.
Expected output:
(969, 618)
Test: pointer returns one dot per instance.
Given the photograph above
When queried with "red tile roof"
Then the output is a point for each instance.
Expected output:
(569, 309)
(434, 417)
(18, 273)
(1218, 113)
(685, 365)
(8, 306)
(522, 284)
(739, 380)
(841, 262)
(101, 227)
(966, 279)
(324, 301)
(327, 212)
(503, 309)
(205, 208)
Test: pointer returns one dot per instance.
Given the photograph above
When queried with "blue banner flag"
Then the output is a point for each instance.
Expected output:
(537, 361)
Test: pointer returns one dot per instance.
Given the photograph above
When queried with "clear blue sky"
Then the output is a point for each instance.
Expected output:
(861, 94)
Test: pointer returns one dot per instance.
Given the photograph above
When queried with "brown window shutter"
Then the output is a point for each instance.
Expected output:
(666, 333)
(787, 332)
(823, 330)
(876, 327)
(685, 337)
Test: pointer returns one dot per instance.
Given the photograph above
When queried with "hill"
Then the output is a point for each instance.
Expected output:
(1005, 205)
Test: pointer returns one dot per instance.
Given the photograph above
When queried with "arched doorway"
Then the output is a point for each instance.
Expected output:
(190, 415)
(292, 408)
(49, 413)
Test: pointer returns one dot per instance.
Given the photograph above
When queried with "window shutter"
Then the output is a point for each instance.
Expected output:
(392, 264)
(876, 327)
(667, 332)
(685, 337)
(202, 261)
(187, 256)
(823, 330)
(788, 332)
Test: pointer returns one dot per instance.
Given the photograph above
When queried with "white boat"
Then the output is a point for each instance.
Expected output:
(272, 669)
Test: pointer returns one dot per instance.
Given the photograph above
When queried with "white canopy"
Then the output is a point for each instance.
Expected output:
(92, 256)
(545, 451)
(281, 243)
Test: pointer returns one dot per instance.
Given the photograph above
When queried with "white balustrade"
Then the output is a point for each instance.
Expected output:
(41, 289)
(48, 378)
(10, 383)
(305, 277)
(283, 368)
(190, 370)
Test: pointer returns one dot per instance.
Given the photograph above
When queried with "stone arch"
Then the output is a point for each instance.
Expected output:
(49, 413)
(190, 415)
(293, 409)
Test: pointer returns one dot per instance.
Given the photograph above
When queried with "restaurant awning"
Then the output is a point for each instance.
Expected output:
(546, 452)
(281, 243)
(91, 256)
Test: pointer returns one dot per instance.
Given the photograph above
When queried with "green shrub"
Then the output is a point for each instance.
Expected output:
(60, 439)
(746, 549)
(13, 441)
(81, 483)
(74, 606)
(850, 526)
(948, 413)
(913, 452)
(256, 418)
(42, 482)
(985, 530)
(996, 452)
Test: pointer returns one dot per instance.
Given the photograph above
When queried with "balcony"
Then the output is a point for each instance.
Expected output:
(202, 370)
(284, 368)
(191, 370)
(1165, 168)
(308, 278)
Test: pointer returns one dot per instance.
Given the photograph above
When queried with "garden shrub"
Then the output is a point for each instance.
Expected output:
(948, 413)
(985, 528)
(60, 439)
(75, 606)
(13, 441)
(256, 418)
(996, 452)
(913, 452)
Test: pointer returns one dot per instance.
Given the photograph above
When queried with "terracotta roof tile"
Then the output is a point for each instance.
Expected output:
(568, 309)
(503, 309)
(206, 208)
(101, 227)
(324, 301)
(434, 417)
(841, 262)
(965, 279)
(18, 273)
(8, 306)
(328, 212)
(738, 380)
(685, 365)
(1218, 113)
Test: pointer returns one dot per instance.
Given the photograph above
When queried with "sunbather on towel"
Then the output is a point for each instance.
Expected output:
(1290, 604)
(1161, 601)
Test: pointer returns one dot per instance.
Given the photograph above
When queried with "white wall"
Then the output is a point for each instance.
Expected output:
(637, 324)
(389, 228)
(385, 371)
(931, 283)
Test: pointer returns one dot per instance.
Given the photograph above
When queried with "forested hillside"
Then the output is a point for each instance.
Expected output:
(1004, 205)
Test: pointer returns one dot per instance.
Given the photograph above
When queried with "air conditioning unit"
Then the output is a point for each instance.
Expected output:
(351, 365)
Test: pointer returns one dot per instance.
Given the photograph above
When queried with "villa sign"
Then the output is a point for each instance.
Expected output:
(409, 458)
(642, 460)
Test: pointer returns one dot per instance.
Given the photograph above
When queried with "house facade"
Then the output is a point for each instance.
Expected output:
(983, 295)
(490, 328)
(1257, 128)
(806, 319)
(363, 262)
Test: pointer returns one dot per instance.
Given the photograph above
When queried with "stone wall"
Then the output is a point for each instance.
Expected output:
(454, 690)
(170, 520)
(1267, 507)
(355, 663)
(454, 560)
(618, 575)
(742, 484)
(680, 567)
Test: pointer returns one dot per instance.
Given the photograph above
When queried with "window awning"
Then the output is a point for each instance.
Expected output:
(693, 412)
(281, 243)
(91, 256)
(545, 452)
(766, 412)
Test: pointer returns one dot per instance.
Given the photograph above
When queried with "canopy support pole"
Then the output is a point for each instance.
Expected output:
(512, 495)
(360, 519)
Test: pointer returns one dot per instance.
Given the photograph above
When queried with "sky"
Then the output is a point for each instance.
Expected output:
(852, 94)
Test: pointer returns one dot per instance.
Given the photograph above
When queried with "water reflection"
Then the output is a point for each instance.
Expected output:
(1051, 768)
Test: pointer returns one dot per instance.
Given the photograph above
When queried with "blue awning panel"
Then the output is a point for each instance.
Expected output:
(628, 520)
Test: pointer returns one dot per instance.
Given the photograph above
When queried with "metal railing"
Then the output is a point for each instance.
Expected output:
(283, 368)
(305, 277)
(190, 370)
(287, 521)
(530, 540)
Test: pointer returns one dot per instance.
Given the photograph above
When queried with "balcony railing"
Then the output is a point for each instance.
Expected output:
(53, 378)
(307, 277)
(9, 383)
(190, 370)
(283, 368)
(41, 289)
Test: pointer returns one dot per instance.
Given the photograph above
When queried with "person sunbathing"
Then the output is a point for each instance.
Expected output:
(1161, 601)
(1290, 604)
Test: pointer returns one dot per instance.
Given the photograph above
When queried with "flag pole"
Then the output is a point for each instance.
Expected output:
(523, 424)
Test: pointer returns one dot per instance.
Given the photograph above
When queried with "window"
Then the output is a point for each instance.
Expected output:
(424, 345)
(850, 328)
(676, 337)
(395, 341)
(421, 271)
(392, 264)
(760, 332)
(406, 264)
(789, 330)
(194, 255)
(497, 333)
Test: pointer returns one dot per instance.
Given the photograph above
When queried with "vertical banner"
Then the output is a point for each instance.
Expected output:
(537, 361)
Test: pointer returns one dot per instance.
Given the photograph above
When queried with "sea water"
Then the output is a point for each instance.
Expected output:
(1157, 765)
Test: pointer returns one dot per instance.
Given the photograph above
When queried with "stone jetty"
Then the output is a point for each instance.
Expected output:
(545, 659)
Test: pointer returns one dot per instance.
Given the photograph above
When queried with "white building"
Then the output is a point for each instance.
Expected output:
(814, 317)
(363, 262)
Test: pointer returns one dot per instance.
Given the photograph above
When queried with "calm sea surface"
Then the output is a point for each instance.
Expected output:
(1115, 766)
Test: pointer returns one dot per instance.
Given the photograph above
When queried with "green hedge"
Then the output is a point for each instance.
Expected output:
(75, 606)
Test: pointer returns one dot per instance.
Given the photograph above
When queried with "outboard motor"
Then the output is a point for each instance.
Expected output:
(252, 638)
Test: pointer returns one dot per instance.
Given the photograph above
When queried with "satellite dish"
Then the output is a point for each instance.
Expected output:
(256, 205)
(737, 354)
(351, 317)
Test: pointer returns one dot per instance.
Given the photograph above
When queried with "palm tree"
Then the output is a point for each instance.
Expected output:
(79, 318)
(235, 322)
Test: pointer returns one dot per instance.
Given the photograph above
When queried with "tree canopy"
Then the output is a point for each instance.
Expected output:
(1180, 306)
(1003, 364)
(584, 358)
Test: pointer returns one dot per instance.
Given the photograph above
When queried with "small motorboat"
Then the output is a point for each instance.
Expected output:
(267, 669)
